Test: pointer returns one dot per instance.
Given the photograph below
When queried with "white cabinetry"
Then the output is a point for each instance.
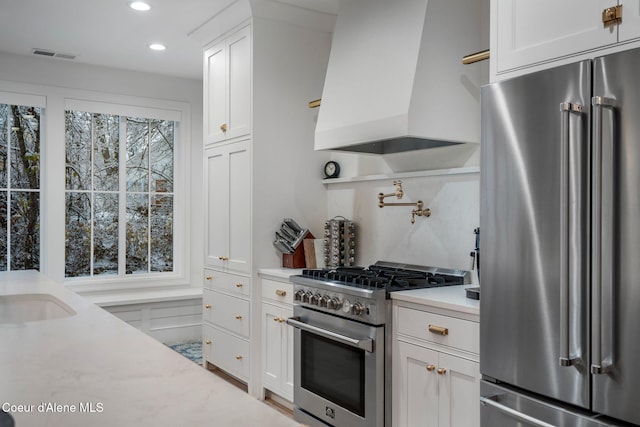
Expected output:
(260, 72)
(228, 205)
(226, 321)
(527, 34)
(436, 373)
(227, 87)
(277, 337)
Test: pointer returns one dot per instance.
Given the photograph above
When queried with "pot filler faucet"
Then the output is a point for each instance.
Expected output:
(419, 211)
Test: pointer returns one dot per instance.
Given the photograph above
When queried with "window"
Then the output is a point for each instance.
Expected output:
(19, 187)
(119, 195)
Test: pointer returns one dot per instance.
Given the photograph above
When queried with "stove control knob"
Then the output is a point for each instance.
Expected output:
(358, 309)
(307, 296)
(324, 301)
(346, 306)
(315, 299)
(298, 295)
(334, 304)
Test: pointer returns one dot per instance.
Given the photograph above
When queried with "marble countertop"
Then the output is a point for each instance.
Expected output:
(279, 273)
(447, 297)
(92, 369)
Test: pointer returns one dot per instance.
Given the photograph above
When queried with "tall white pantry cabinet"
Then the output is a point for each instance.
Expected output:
(259, 165)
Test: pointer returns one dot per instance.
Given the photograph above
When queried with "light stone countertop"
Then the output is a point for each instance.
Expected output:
(279, 273)
(446, 297)
(94, 360)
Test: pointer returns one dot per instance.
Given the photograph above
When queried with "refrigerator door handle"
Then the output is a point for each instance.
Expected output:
(567, 356)
(598, 365)
(528, 419)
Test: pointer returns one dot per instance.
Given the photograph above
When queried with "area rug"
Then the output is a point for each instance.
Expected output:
(191, 350)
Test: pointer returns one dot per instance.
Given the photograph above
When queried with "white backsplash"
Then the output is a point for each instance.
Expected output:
(444, 239)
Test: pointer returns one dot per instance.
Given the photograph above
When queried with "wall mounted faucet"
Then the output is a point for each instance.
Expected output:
(419, 211)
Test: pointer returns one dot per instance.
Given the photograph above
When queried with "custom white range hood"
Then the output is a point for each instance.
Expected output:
(395, 81)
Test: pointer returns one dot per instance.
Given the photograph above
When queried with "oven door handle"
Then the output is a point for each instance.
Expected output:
(363, 344)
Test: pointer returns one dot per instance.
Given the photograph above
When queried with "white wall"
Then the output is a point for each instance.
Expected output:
(442, 240)
(59, 79)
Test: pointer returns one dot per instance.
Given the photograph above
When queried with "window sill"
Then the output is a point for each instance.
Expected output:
(104, 299)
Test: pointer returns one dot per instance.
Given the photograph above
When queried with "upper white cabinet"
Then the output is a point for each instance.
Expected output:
(227, 88)
(533, 33)
(228, 204)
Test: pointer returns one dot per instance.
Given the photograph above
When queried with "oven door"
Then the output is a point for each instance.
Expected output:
(338, 369)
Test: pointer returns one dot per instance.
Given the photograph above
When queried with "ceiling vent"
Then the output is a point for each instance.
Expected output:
(52, 54)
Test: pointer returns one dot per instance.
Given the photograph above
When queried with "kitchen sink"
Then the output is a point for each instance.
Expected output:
(22, 308)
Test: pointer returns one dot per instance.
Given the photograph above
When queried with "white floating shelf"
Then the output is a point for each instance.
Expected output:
(417, 174)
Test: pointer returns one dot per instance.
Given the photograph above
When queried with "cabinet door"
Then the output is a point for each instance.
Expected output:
(217, 210)
(215, 93)
(415, 390)
(239, 84)
(239, 207)
(459, 387)
(629, 29)
(228, 216)
(529, 32)
(287, 355)
(271, 346)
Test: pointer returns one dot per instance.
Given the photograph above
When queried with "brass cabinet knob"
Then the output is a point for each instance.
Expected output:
(207, 306)
(207, 342)
(281, 293)
(238, 357)
(276, 319)
(282, 320)
(223, 258)
(209, 278)
(238, 285)
(430, 367)
(238, 317)
(223, 127)
(442, 371)
(440, 330)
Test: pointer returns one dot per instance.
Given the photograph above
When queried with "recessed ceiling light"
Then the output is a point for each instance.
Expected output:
(157, 46)
(139, 5)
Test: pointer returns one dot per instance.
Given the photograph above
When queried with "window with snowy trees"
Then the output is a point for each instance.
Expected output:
(119, 195)
(19, 187)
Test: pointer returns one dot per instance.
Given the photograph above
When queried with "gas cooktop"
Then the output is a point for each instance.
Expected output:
(388, 276)
(362, 293)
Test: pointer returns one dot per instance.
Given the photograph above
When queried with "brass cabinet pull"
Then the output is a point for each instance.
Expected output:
(442, 371)
(238, 357)
(238, 285)
(223, 127)
(280, 292)
(612, 15)
(209, 278)
(276, 319)
(223, 258)
(438, 330)
(207, 342)
(207, 306)
(238, 317)
(431, 368)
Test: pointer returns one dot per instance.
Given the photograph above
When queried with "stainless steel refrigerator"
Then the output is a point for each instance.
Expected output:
(560, 221)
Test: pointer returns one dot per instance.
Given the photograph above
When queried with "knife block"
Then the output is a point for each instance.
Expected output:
(296, 259)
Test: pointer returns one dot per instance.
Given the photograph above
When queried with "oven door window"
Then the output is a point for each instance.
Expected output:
(334, 371)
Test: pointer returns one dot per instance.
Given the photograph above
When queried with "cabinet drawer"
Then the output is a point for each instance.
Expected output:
(461, 334)
(226, 351)
(226, 282)
(228, 312)
(277, 291)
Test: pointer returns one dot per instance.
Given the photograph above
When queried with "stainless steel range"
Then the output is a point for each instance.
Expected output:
(342, 351)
